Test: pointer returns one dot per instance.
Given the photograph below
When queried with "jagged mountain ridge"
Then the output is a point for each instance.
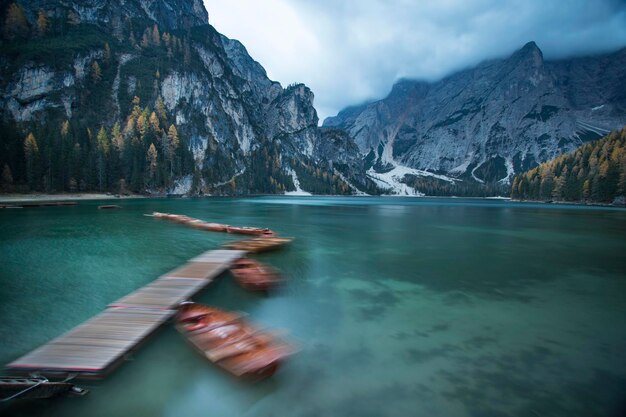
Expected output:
(246, 132)
(243, 132)
(489, 122)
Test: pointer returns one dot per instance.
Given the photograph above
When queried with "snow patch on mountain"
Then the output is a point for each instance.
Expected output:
(296, 183)
(474, 175)
(510, 172)
(182, 186)
(392, 180)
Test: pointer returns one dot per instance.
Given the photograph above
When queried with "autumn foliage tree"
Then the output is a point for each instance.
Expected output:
(151, 158)
(15, 23)
(594, 172)
(31, 153)
(96, 72)
(42, 23)
(172, 145)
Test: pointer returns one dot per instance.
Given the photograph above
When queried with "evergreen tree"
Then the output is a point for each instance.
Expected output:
(65, 128)
(7, 179)
(117, 138)
(132, 40)
(166, 38)
(106, 56)
(172, 145)
(42, 23)
(103, 153)
(145, 39)
(160, 109)
(154, 123)
(141, 125)
(75, 172)
(156, 36)
(96, 72)
(186, 53)
(31, 152)
(151, 158)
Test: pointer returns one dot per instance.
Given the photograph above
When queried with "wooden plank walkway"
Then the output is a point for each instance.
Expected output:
(96, 347)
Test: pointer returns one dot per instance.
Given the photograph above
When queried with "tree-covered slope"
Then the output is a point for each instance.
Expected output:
(146, 96)
(595, 172)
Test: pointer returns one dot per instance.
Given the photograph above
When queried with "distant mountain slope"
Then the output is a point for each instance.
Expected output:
(595, 172)
(487, 123)
(146, 95)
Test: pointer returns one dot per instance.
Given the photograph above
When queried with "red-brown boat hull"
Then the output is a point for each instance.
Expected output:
(254, 231)
(228, 341)
(255, 276)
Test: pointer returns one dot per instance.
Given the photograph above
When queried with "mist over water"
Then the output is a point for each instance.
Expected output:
(402, 307)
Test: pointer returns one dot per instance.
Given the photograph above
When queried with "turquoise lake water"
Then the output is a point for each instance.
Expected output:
(402, 307)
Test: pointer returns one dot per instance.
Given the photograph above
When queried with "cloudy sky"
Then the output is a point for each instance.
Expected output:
(350, 51)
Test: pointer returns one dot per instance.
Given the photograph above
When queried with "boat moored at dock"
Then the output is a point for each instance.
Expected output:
(259, 244)
(257, 231)
(255, 276)
(227, 340)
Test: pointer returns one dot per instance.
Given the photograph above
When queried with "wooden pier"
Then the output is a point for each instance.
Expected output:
(96, 347)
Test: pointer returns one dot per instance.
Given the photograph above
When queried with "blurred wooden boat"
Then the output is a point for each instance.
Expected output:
(109, 206)
(190, 221)
(36, 387)
(211, 227)
(250, 231)
(255, 276)
(228, 341)
(180, 218)
(259, 244)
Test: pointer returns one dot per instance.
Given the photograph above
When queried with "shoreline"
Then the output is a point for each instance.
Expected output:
(29, 198)
(570, 203)
(49, 197)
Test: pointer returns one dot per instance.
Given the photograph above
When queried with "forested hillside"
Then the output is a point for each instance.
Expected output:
(99, 144)
(123, 96)
(595, 172)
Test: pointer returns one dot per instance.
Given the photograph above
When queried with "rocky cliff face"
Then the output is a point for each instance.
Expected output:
(115, 15)
(245, 132)
(146, 95)
(487, 123)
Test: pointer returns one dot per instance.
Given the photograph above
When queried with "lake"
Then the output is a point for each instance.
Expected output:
(401, 306)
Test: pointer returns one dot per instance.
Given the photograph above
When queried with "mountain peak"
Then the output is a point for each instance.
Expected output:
(532, 45)
(530, 51)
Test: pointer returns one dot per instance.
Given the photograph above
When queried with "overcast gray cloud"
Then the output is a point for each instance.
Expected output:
(350, 51)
